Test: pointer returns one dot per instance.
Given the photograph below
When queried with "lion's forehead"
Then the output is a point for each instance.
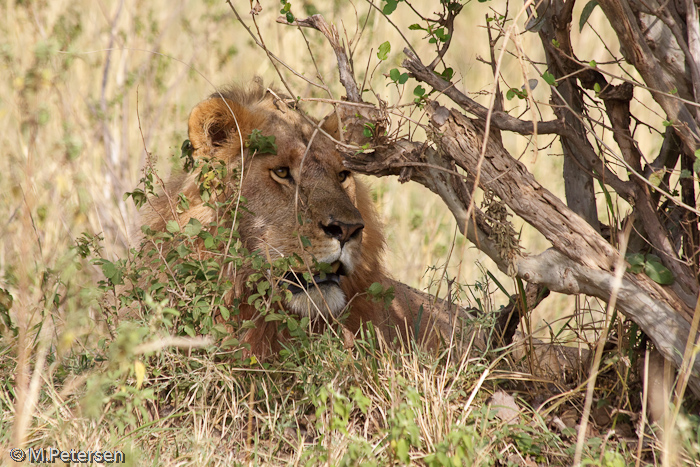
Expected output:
(317, 152)
(288, 125)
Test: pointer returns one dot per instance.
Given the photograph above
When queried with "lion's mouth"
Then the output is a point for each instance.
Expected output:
(296, 283)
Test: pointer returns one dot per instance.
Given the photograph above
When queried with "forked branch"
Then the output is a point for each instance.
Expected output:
(581, 260)
(347, 78)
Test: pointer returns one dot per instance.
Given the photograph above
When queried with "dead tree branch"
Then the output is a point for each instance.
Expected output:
(347, 78)
(660, 80)
(581, 260)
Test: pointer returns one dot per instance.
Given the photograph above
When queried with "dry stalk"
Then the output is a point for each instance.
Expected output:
(620, 268)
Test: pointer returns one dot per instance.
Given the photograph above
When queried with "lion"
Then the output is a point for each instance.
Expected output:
(305, 180)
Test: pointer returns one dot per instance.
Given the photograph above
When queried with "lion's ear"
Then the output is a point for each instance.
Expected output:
(354, 122)
(214, 121)
(331, 126)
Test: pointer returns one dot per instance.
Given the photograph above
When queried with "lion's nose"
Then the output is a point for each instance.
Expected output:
(342, 231)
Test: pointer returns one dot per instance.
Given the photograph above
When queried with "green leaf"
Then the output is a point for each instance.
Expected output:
(596, 88)
(441, 36)
(390, 7)
(189, 330)
(261, 144)
(192, 228)
(402, 450)
(209, 242)
(696, 166)
(657, 177)
(375, 289)
(263, 287)
(363, 402)
(549, 78)
(419, 91)
(586, 13)
(182, 202)
(273, 317)
(636, 261)
(252, 298)
(108, 269)
(592, 64)
(555, 43)
(172, 226)
(448, 74)
(394, 74)
(667, 123)
(182, 250)
(512, 92)
(652, 257)
(658, 272)
(384, 50)
(138, 196)
(416, 27)
(186, 151)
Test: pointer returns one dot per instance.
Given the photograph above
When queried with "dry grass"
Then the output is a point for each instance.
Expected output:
(78, 77)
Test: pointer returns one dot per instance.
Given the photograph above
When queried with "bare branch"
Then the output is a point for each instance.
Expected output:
(693, 57)
(274, 59)
(499, 119)
(668, 329)
(636, 50)
(582, 261)
(347, 77)
(642, 300)
(436, 173)
(448, 21)
(461, 138)
(617, 100)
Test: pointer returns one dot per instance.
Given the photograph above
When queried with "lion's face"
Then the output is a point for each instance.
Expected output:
(301, 200)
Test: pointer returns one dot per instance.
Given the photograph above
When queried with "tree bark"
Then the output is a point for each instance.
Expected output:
(581, 260)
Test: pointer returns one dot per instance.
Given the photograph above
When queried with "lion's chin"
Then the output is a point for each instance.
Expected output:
(329, 302)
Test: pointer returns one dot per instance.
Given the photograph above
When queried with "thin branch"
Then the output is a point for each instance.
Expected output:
(693, 54)
(449, 24)
(638, 52)
(499, 119)
(331, 33)
(371, 2)
(274, 58)
(642, 300)
(602, 340)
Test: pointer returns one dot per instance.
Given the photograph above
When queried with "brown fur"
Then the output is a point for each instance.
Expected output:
(218, 128)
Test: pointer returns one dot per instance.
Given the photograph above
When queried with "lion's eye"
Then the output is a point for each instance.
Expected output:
(281, 172)
(343, 175)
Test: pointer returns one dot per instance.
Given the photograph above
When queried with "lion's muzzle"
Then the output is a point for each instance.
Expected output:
(321, 295)
(297, 283)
